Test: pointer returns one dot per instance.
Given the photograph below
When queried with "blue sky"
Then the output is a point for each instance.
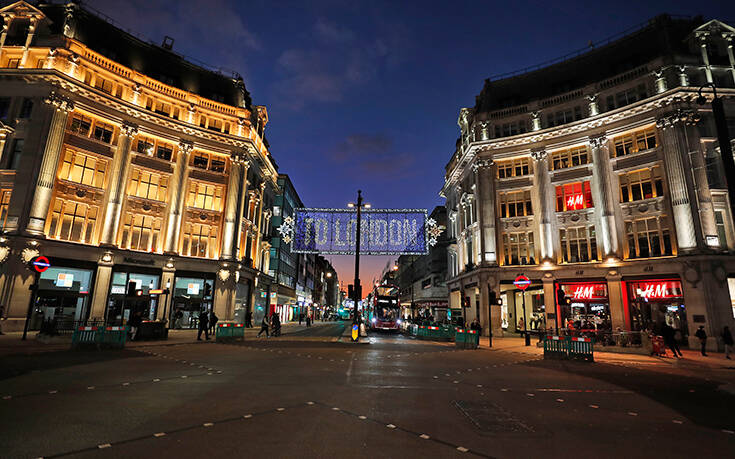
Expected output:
(366, 94)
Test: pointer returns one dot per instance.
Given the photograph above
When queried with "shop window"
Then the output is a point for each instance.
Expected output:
(102, 132)
(648, 237)
(80, 168)
(578, 245)
(518, 249)
(515, 204)
(573, 196)
(140, 232)
(80, 125)
(635, 142)
(641, 184)
(199, 240)
(589, 309)
(569, 158)
(655, 302)
(204, 196)
(147, 185)
(73, 221)
(4, 206)
(130, 294)
(513, 168)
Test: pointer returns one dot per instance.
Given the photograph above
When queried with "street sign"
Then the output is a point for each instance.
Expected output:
(41, 264)
(522, 282)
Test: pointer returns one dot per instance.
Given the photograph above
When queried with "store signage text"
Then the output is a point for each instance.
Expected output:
(658, 290)
(586, 291)
(575, 202)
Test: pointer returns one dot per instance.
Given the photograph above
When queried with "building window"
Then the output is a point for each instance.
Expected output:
(563, 117)
(164, 152)
(84, 169)
(642, 140)
(4, 206)
(102, 132)
(518, 249)
(204, 196)
(641, 184)
(573, 196)
(626, 97)
(217, 165)
(13, 63)
(513, 168)
(26, 107)
(104, 85)
(140, 232)
(4, 107)
(569, 158)
(515, 204)
(578, 245)
(145, 146)
(648, 237)
(199, 240)
(200, 160)
(147, 185)
(215, 125)
(80, 125)
(719, 221)
(73, 221)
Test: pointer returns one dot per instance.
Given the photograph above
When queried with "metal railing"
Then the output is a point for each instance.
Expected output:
(59, 327)
(618, 338)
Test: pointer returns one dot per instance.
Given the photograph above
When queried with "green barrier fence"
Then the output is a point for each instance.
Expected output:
(568, 348)
(109, 337)
(466, 339)
(229, 332)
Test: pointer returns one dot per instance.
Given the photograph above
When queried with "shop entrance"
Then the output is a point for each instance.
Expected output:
(62, 298)
(589, 310)
(130, 294)
(655, 302)
(513, 316)
(192, 296)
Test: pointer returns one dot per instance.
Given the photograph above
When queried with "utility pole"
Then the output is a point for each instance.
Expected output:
(357, 291)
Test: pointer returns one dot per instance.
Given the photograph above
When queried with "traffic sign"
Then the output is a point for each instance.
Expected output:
(522, 282)
(41, 264)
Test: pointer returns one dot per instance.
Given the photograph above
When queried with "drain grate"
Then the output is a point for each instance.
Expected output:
(491, 418)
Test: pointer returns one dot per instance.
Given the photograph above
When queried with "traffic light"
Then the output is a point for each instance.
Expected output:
(207, 289)
(561, 298)
(467, 303)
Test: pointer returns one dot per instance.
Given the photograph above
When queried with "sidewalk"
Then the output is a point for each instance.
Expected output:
(11, 343)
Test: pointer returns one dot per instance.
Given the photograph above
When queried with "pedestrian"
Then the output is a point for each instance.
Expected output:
(308, 320)
(476, 326)
(668, 334)
(203, 326)
(301, 317)
(727, 340)
(521, 325)
(134, 323)
(276, 325)
(249, 319)
(213, 319)
(264, 327)
(178, 319)
(702, 335)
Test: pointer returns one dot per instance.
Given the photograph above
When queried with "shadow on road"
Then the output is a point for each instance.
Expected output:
(19, 364)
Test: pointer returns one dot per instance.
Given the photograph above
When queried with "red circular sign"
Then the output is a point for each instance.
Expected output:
(41, 264)
(522, 282)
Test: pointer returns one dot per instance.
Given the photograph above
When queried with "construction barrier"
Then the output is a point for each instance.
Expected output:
(568, 348)
(229, 332)
(466, 339)
(109, 337)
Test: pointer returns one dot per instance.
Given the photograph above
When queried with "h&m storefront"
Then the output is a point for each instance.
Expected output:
(653, 301)
(589, 307)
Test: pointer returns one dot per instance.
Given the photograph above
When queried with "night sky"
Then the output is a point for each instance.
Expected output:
(366, 94)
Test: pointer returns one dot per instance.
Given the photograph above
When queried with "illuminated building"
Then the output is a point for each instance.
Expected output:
(131, 169)
(599, 175)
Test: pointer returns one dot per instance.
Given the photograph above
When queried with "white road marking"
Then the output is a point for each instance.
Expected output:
(335, 409)
(560, 400)
(90, 387)
(593, 406)
(462, 449)
(208, 424)
(53, 391)
(126, 384)
(632, 413)
(280, 409)
(248, 416)
(362, 417)
(728, 431)
(309, 403)
(455, 382)
(391, 426)
(159, 434)
(104, 445)
(7, 397)
(479, 385)
(156, 380)
(676, 421)
(531, 395)
(424, 436)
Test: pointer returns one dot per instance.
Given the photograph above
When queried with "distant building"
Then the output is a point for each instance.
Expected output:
(132, 170)
(601, 179)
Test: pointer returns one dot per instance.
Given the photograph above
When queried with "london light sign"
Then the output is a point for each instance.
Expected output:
(382, 231)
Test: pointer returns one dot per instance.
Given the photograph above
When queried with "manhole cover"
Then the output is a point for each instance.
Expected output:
(491, 418)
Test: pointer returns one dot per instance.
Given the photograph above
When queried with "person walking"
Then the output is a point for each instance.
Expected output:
(668, 334)
(276, 325)
(213, 319)
(308, 320)
(203, 326)
(727, 340)
(264, 327)
(134, 323)
(702, 335)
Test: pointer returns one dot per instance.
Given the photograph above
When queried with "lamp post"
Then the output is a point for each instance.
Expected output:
(166, 292)
(723, 138)
(357, 291)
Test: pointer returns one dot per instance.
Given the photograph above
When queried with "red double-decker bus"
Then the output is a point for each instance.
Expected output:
(386, 311)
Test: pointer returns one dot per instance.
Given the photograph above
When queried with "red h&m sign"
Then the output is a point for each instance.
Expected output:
(575, 202)
(656, 290)
(582, 292)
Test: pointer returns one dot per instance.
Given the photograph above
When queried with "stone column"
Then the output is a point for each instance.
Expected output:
(730, 38)
(705, 58)
(550, 303)
(619, 315)
(544, 211)
(242, 202)
(116, 191)
(165, 302)
(102, 281)
(47, 173)
(258, 229)
(700, 184)
(4, 34)
(674, 145)
(536, 121)
(232, 209)
(603, 197)
(29, 40)
(178, 198)
(485, 179)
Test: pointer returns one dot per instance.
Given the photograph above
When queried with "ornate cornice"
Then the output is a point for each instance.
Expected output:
(597, 140)
(539, 154)
(686, 116)
(129, 129)
(60, 102)
(185, 147)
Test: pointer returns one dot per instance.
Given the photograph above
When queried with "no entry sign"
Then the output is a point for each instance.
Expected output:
(522, 282)
(41, 264)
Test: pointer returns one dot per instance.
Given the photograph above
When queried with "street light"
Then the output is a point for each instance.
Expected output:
(357, 291)
(723, 138)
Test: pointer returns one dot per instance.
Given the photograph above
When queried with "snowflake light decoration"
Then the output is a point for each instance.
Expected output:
(433, 231)
(286, 229)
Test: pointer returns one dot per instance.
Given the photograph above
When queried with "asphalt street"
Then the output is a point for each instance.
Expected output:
(307, 394)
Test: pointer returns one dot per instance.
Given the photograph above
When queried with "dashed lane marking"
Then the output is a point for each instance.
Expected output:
(208, 424)
(632, 413)
(391, 426)
(104, 445)
(159, 434)
(424, 436)
(462, 449)
(677, 421)
(593, 406)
